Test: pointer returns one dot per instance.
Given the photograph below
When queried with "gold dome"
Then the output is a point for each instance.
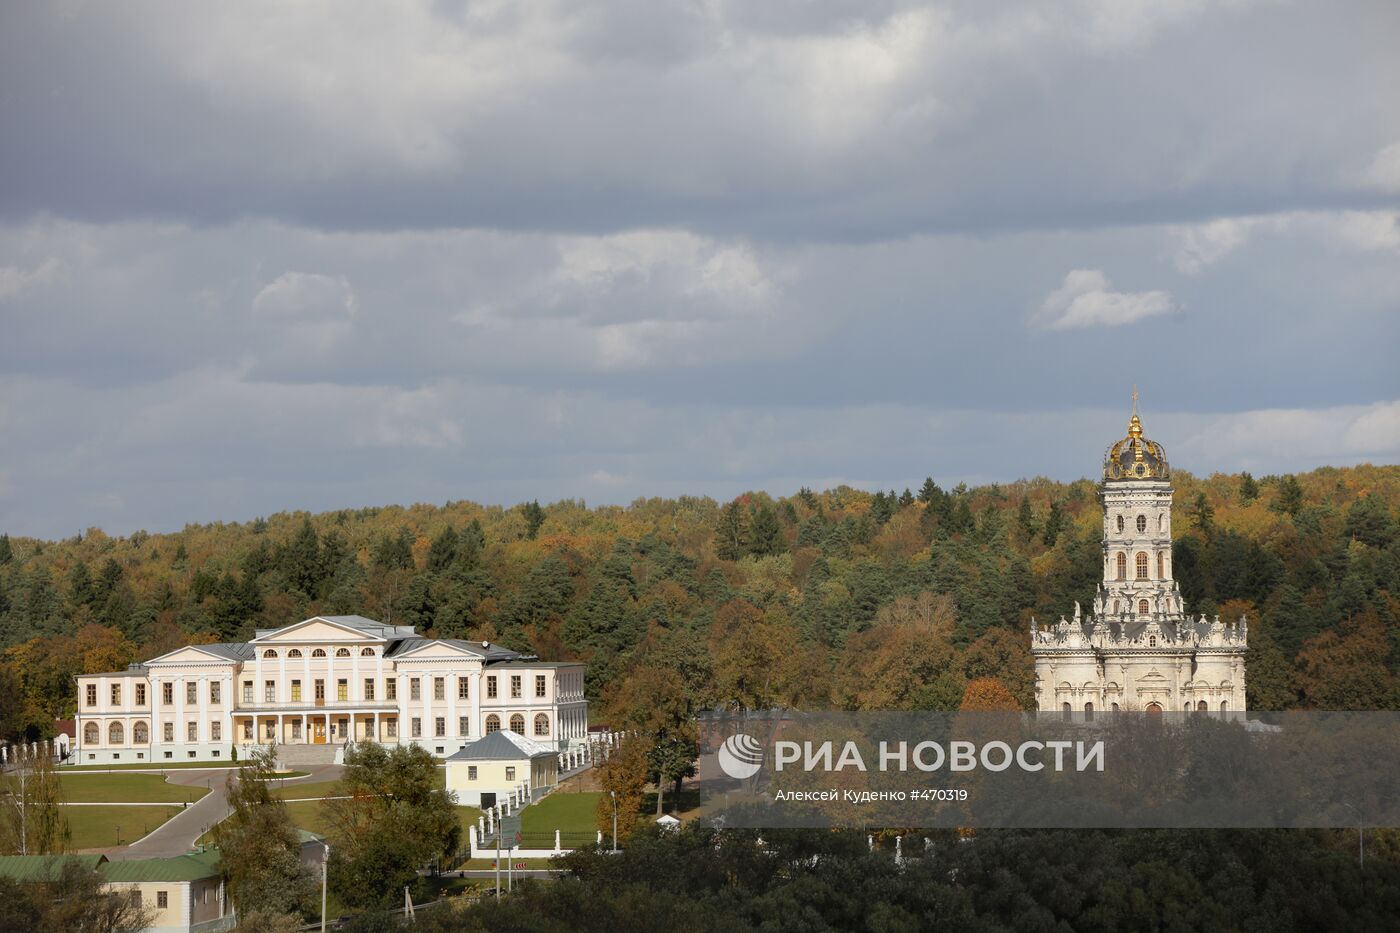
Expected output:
(1135, 457)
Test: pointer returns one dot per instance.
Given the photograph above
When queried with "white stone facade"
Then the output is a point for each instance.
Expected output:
(1138, 649)
(328, 680)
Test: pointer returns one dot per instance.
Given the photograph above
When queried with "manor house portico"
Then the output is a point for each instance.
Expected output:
(326, 681)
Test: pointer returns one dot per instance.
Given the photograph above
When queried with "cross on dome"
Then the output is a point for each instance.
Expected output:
(1135, 457)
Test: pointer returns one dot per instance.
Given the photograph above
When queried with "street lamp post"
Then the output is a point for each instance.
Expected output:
(614, 803)
(325, 860)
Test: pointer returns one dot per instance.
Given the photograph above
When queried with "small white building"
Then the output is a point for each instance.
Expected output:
(499, 764)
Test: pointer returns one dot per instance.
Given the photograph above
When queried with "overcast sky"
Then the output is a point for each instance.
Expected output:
(268, 256)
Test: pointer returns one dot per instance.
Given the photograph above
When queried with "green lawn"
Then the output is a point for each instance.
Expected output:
(126, 788)
(486, 864)
(96, 827)
(307, 815)
(298, 791)
(570, 813)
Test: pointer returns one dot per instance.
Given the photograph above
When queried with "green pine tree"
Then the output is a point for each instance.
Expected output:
(765, 533)
(730, 536)
(1249, 488)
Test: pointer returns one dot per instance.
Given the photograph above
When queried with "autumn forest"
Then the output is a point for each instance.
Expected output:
(841, 598)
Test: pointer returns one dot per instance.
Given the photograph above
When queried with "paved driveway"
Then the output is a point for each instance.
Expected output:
(178, 834)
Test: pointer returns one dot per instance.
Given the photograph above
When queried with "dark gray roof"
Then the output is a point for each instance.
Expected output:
(233, 650)
(488, 651)
(480, 649)
(396, 648)
(500, 746)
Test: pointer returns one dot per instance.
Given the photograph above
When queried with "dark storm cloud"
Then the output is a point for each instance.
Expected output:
(845, 121)
(268, 256)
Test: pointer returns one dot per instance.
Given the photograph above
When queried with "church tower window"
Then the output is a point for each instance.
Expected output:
(1122, 566)
(1142, 523)
(1142, 565)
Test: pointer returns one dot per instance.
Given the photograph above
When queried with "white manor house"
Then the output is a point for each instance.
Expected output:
(326, 681)
(1139, 649)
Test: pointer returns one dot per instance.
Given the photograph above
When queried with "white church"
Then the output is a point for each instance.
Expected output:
(1138, 649)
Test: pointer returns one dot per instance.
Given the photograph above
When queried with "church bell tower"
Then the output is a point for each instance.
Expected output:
(1137, 531)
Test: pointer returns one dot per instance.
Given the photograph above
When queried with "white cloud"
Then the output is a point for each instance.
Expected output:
(306, 294)
(1201, 245)
(1385, 168)
(726, 277)
(15, 281)
(1087, 299)
(1272, 439)
(1370, 231)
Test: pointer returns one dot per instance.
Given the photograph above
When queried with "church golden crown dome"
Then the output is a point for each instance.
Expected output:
(1135, 457)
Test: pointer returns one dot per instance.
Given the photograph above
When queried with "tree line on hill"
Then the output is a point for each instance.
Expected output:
(843, 598)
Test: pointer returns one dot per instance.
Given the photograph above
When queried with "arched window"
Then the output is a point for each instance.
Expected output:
(318, 653)
(90, 733)
(1088, 712)
(269, 653)
(1161, 521)
(1154, 709)
(1141, 561)
(294, 653)
(1187, 707)
(366, 652)
(1161, 565)
(1116, 608)
(1152, 641)
(1201, 707)
(140, 734)
(1142, 523)
(1224, 707)
(1120, 523)
(1115, 707)
(1065, 713)
(493, 724)
(517, 724)
(1122, 566)
(116, 735)
(342, 652)
(541, 724)
(1142, 607)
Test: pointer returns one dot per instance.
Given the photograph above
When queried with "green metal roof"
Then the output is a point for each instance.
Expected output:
(43, 867)
(192, 866)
